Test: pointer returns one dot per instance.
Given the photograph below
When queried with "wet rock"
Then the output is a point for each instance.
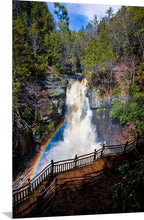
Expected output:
(59, 111)
(108, 130)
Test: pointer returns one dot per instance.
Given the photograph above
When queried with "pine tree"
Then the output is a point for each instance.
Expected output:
(65, 64)
(31, 22)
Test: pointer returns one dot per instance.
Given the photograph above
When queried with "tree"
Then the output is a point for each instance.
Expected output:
(65, 43)
(62, 15)
(99, 53)
(53, 48)
(128, 194)
(109, 12)
(31, 22)
(137, 26)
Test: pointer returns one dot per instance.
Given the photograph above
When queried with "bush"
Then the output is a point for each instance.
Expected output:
(26, 113)
(102, 91)
(99, 109)
(128, 194)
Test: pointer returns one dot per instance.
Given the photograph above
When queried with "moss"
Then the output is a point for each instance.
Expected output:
(51, 126)
(99, 109)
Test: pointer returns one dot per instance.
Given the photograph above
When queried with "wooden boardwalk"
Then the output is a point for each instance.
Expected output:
(72, 179)
(66, 179)
(77, 176)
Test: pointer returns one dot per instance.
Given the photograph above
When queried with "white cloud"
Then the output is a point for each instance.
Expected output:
(86, 10)
(99, 10)
(104, 2)
(89, 10)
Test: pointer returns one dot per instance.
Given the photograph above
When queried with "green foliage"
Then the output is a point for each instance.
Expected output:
(140, 80)
(41, 128)
(16, 87)
(128, 194)
(37, 43)
(116, 108)
(129, 111)
(99, 109)
(31, 22)
(93, 51)
(63, 81)
(26, 112)
(62, 15)
(132, 110)
(114, 39)
(53, 48)
(51, 126)
(117, 89)
(102, 91)
(16, 92)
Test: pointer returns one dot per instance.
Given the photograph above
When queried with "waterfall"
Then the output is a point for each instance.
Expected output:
(79, 134)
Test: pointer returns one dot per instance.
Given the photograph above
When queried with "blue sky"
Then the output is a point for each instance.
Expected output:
(81, 14)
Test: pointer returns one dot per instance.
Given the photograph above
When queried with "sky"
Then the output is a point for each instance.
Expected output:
(80, 14)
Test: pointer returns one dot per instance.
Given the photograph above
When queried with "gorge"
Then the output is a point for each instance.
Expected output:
(46, 54)
(73, 93)
(80, 127)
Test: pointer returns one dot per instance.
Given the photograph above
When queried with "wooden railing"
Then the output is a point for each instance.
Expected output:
(54, 168)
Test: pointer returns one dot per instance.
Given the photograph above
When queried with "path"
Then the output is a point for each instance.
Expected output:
(73, 179)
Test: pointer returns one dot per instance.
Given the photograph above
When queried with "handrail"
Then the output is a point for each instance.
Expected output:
(85, 155)
(54, 168)
(62, 161)
(44, 169)
(22, 187)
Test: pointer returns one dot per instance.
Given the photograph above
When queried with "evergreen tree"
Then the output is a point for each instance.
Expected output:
(31, 22)
(65, 64)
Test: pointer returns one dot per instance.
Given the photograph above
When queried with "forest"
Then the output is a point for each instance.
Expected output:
(108, 52)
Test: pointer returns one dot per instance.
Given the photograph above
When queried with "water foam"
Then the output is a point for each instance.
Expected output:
(79, 134)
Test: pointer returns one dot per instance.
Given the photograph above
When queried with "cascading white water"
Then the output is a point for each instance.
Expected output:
(79, 133)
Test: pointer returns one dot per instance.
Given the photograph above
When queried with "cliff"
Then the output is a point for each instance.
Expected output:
(40, 108)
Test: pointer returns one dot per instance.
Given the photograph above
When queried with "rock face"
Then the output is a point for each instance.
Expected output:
(41, 107)
(108, 130)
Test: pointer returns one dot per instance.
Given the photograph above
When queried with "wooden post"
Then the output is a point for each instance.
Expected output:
(103, 147)
(94, 154)
(75, 160)
(126, 144)
(29, 187)
(52, 166)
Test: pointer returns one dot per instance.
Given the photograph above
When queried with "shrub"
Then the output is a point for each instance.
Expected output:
(128, 194)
